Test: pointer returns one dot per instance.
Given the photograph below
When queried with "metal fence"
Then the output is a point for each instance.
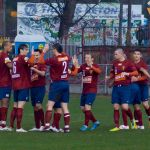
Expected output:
(109, 36)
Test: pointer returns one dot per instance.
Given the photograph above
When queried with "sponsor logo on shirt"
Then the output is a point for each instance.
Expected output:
(120, 77)
(87, 79)
(63, 58)
(87, 68)
(120, 64)
(15, 76)
(34, 77)
(64, 76)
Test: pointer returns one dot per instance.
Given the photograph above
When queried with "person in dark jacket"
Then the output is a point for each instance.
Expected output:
(140, 35)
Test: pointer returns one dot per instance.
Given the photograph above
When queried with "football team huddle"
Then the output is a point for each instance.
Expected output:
(26, 76)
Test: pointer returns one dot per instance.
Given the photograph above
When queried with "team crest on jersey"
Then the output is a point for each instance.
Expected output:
(91, 71)
(123, 68)
(120, 64)
(26, 59)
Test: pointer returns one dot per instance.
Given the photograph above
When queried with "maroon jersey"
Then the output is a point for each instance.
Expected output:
(36, 79)
(117, 72)
(20, 73)
(89, 78)
(59, 67)
(138, 66)
(5, 75)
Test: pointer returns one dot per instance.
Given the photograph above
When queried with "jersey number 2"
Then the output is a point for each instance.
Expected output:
(64, 63)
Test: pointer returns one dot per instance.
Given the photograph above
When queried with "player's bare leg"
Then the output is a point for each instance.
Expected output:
(4, 110)
(138, 116)
(48, 115)
(20, 108)
(116, 117)
(66, 116)
(82, 108)
(147, 109)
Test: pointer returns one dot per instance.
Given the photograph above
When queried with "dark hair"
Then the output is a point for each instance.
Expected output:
(38, 50)
(58, 47)
(136, 50)
(90, 55)
(22, 46)
(5, 43)
(119, 48)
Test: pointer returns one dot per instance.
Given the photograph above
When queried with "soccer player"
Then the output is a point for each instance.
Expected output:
(21, 85)
(59, 87)
(135, 101)
(90, 72)
(38, 71)
(5, 82)
(122, 71)
(57, 107)
(142, 81)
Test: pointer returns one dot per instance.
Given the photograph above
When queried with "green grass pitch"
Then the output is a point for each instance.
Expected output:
(100, 139)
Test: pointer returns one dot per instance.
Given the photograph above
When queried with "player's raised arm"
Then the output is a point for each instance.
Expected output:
(46, 48)
(52, 60)
(96, 69)
(37, 63)
(74, 70)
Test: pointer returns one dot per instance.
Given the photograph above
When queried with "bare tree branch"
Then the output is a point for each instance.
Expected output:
(60, 6)
(55, 9)
(78, 20)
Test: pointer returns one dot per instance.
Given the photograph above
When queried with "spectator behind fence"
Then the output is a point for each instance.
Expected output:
(140, 35)
(147, 35)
